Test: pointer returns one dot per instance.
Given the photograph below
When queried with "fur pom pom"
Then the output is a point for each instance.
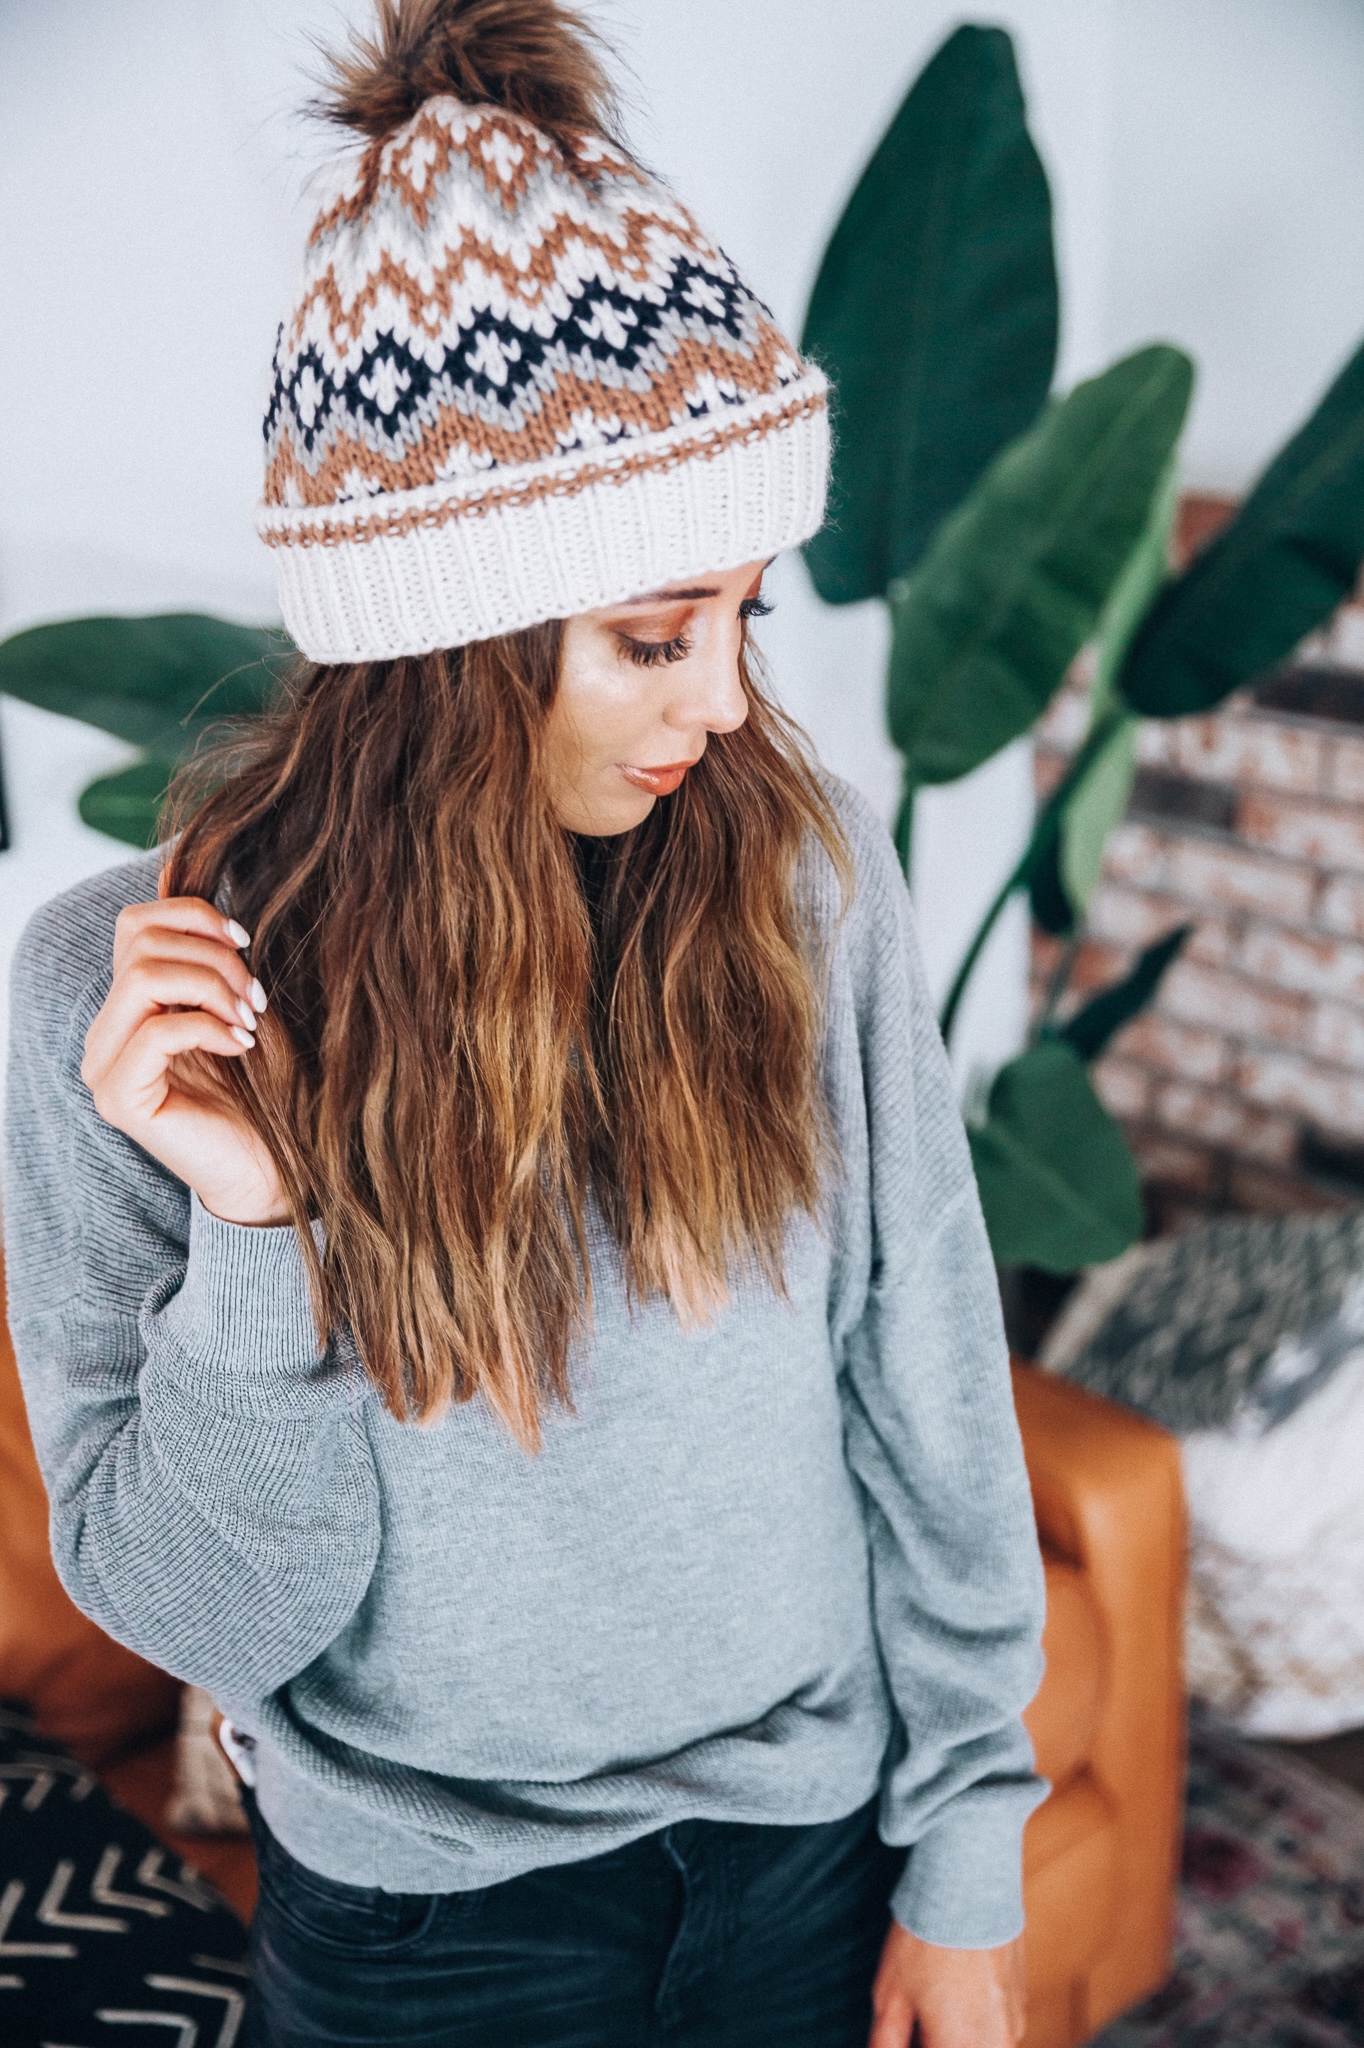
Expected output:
(531, 57)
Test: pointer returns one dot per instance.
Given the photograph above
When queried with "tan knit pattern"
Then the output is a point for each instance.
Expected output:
(703, 447)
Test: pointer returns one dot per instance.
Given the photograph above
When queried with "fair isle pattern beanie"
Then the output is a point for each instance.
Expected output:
(519, 382)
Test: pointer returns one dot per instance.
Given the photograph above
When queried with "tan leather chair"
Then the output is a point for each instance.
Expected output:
(116, 1712)
(1099, 1855)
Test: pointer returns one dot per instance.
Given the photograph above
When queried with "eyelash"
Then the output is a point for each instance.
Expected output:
(650, 653)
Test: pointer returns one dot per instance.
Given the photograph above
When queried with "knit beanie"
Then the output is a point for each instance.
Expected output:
(518, 382)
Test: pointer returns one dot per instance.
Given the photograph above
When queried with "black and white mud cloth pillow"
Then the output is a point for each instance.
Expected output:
(1242, 1316)
(107, 1940)
(1246, 1338)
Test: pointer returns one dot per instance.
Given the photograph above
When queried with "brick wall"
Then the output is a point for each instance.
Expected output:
(1242, 1087)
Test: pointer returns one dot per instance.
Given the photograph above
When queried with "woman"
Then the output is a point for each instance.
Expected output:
(493, 1254)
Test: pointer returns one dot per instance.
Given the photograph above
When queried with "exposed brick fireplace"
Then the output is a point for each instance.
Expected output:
(1243, 1086)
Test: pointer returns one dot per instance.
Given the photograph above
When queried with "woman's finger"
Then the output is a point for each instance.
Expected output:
(157, 942)
(892, 2026)
(175, 914)
(152, 985)
(1014, 1975)
(134, 1087)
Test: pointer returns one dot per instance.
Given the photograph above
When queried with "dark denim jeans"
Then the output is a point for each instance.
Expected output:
(706, 1935)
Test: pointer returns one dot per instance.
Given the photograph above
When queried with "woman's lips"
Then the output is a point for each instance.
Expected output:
(657, 781)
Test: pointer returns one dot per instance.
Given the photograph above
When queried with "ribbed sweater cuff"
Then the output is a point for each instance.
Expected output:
(963, 1884)
(241, 1324)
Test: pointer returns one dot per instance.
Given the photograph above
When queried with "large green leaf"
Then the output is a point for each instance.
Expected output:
(128, 805)
(1065, 854)
(1145, 574)
(1040, 869)
(1092, 812)
(934, 313)
(986, 626)
(1057, 1181)
(1103, 1016)
(156, 682)
(1069, 859)
(1282, 566)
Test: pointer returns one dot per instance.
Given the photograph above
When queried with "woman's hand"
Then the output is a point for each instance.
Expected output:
(960, 1997)
(181, 986)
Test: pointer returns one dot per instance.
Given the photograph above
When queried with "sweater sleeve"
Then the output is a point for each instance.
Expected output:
(213, 1498)
(932, 1439)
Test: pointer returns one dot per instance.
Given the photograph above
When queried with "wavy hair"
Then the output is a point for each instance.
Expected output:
(460, 1052)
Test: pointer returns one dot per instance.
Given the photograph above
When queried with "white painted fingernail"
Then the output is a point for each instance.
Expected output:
(236, 934)
(257, 995)
(247, 1015)
(242, 1037)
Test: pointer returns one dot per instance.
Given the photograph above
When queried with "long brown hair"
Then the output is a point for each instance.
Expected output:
(458, 1048)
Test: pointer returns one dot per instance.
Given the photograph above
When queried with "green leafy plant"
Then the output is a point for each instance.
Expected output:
(1286, 561)
(1005, 531)
(1016, 578)
(933, 383)
(160, 683)
(1052, 1165)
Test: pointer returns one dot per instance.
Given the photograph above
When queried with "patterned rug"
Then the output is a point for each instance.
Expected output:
(1269, 1951)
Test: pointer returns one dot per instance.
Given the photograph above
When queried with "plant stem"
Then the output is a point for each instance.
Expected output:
(1056, 987)
(904, 825)
(1046, 822)
(973, 953)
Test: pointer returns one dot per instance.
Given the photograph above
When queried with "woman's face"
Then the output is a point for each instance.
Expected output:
(642, 687)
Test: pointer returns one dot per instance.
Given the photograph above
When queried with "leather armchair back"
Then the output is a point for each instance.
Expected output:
(1101, 1853)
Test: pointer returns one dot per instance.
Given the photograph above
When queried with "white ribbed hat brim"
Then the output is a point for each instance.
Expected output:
(439, 567)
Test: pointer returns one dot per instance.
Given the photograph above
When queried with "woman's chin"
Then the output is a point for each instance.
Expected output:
(605, 817)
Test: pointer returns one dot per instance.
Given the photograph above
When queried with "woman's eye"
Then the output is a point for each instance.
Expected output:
(755, 608)
(649, 653)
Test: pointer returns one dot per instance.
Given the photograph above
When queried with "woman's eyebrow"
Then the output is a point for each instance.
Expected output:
(669, 597)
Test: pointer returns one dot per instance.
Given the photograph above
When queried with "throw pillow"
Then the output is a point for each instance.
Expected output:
(107, 1940)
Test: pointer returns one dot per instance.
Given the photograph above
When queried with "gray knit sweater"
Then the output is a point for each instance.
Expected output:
(757, 1573)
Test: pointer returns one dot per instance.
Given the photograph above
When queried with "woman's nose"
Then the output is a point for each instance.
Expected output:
(715, 696)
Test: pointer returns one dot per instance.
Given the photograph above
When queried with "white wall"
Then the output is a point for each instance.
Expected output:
(1208, 163)
(1237, 220)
